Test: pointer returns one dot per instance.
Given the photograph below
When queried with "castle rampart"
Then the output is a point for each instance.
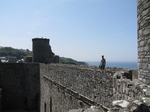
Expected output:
(85, 81)
(28, 85)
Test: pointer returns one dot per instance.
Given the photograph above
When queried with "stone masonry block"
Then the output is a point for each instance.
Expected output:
(145, 12)
(146, 32)
(142, 43)
(146, 48)
(146, 100)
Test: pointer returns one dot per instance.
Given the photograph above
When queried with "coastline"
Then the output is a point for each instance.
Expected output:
(126, 65)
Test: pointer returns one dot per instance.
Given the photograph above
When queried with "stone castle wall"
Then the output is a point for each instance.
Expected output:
(0, 99)
(54, 87)
(20, 84)
(60, 88)
(144, 40)
(86, 81)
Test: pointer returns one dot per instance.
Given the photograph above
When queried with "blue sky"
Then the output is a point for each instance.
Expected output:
(79, 29)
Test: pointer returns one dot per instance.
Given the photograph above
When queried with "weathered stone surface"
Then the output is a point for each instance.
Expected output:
(76, 110)
(133, 106)
(143, 38)
(121, 103)
(146, 100)
(88, 81)
(91, 109)
(94, 109)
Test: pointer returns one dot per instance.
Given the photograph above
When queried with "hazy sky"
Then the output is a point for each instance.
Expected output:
(79, 29)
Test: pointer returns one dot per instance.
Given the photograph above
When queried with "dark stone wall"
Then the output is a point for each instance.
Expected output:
(0, 99)
(20, 84)
(41, 50)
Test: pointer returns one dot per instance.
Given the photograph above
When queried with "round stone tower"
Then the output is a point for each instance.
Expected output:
(41, 50)
(144, 40)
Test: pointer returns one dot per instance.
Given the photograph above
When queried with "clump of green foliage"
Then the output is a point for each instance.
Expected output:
(19, 53)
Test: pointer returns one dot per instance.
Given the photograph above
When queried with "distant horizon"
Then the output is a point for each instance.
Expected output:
(128, 65)
(113, 61)
(75, 59)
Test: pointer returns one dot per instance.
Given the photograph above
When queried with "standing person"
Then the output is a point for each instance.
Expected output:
(102, 63)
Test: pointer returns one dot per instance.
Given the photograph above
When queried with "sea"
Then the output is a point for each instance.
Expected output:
(126, 65)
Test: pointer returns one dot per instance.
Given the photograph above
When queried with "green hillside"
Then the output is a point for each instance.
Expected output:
(19, 53)
(64, 60)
